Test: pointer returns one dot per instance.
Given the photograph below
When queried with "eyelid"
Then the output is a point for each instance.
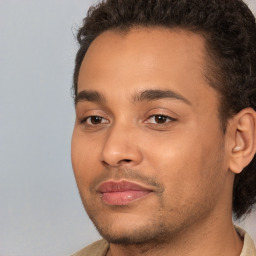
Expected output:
(84, 120)
(159, 111)
(83, 116)
(171, 119)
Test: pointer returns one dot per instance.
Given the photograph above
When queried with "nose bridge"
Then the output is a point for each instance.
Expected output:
(121, 146)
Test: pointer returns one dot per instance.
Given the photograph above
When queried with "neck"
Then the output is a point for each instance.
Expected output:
(210, 238)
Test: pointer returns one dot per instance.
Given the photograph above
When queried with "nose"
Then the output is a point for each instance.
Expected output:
(121, 147)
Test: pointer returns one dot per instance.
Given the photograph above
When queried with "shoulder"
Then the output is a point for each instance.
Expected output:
(98, 248)
(249, 247)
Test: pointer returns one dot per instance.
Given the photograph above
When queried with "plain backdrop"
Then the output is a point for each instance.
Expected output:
(40, 210)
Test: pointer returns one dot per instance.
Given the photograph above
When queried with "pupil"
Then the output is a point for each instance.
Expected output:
(160, 119)
(96, 119)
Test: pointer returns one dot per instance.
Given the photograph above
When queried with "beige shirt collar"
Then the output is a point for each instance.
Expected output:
(101, 247)
(248, 247)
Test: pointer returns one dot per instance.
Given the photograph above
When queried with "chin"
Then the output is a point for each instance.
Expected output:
(131, 237)
(127, 231)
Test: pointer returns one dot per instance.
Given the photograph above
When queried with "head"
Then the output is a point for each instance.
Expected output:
(165, 97)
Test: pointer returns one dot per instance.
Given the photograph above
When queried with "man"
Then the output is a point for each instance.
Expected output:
(164, 143)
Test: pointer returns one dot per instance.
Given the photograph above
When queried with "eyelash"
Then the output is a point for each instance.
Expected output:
(164, 117)
(160, 116)
(83, 121)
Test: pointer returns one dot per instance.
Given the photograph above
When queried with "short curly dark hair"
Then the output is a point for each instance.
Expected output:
(229, 29)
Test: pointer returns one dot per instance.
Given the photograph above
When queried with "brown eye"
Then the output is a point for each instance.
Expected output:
(160, 119)
(94, 120)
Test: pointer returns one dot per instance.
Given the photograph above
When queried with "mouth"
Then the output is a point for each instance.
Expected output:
(122, 192)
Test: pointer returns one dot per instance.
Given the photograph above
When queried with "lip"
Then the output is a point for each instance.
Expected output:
(122, 192)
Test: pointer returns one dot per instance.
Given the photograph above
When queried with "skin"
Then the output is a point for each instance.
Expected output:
(184, 159)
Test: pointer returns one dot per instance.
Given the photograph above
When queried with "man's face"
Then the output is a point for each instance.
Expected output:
(148, 151)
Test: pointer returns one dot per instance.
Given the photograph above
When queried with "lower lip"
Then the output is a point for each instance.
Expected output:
(123, 197)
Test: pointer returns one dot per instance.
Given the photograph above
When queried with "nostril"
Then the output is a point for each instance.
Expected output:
(124, 161)
(105, 164)
(127, 160)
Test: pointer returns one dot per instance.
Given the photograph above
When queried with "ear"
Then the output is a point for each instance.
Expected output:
(242, 139)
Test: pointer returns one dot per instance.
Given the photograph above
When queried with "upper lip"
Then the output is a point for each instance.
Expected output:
(121, 186)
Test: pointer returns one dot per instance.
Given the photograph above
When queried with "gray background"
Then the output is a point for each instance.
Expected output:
(40, 209)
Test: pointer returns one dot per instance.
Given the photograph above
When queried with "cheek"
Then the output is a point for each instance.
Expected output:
(177, 163)
(185, 163)
(174, 152)
(84, 158)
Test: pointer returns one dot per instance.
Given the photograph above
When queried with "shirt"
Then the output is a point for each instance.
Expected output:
(100, 248)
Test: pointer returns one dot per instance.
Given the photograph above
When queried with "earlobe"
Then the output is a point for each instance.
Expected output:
(243, 139)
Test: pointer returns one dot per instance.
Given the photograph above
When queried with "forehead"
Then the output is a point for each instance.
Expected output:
(145, 58)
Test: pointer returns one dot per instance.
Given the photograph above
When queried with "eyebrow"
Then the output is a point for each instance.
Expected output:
(147, 95)
(89, 95)
(150, 95)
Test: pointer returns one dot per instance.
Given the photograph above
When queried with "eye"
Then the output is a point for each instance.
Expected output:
(159, 119)
(94, 120)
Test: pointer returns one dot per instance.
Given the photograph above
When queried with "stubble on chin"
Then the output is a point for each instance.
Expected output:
(146, 232)
(158, 227)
